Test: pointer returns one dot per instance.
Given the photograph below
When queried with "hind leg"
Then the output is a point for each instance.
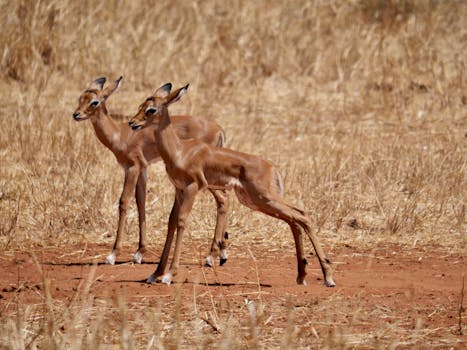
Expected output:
(302, 220)
(140, 196)
(220, 240)
(324, 262)
(275, 206)
(301, 261)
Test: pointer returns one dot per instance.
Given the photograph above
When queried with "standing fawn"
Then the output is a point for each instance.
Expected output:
(193, 166)
(135, 151)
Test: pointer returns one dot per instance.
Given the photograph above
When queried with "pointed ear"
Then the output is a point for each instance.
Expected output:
(97, 84)
(175, 96)
(163, 91)
(111, 89)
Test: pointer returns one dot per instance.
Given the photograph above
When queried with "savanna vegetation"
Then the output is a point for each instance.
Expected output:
(360, 104)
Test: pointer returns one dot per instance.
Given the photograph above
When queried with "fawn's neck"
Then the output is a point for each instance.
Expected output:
(168, 142)
(107, 131)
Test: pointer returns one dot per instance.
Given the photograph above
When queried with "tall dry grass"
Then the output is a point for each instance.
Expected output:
(361, 105)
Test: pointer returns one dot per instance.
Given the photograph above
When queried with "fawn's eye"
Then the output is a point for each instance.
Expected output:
(94, 103)
(151, 110)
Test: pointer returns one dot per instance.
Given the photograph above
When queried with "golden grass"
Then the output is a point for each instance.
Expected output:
(361, 104)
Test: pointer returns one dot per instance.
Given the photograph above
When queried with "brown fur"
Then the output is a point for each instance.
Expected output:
(193, 166)
(135, 151)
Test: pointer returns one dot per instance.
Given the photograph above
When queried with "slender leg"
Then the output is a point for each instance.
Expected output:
(276, 207)
(172, 225)
(186, 203)
(140, 196)
(323, 260)
(131, 177)
(301, 261)
(220, 240)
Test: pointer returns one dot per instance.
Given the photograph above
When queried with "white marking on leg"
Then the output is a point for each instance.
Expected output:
(223, 254)
(209, 261)
(138, 257)
(111, 258)
(329, 282)
(167, 278)
(301, 281)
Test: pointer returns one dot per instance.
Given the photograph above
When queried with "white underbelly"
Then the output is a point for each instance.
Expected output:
(225, 183)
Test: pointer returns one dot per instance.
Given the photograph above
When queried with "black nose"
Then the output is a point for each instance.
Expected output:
(75, 115)
(131, 122)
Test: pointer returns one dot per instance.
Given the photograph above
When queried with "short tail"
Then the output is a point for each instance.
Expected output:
(280, 184)
(280, 188)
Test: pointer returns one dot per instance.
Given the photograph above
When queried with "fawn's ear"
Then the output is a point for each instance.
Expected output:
(163, 91)
(111, 89)
(175, 96)
(97, 84)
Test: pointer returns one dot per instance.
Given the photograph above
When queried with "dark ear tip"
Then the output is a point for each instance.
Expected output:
(167, 87)
(120, 78)
(186, 86)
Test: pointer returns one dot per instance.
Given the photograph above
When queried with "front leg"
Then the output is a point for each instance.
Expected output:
(185, 199)
(131, 177)
(140, 196)
(168, 240)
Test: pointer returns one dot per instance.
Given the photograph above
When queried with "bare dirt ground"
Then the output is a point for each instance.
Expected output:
(389, 285)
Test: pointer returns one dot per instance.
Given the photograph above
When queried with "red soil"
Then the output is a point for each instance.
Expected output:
(408, 284)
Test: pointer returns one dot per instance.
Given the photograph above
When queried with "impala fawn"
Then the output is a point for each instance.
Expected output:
(193, 166)
(135, 152)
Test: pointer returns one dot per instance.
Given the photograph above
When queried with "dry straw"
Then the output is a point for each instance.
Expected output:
(361, 104)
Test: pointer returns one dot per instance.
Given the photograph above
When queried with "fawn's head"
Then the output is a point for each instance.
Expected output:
(93, 98)
(154, 105)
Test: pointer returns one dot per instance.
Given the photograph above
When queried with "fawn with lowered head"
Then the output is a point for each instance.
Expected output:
(193, 166)
(136, 151)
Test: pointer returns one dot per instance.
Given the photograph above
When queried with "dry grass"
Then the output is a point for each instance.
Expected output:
(362, 106)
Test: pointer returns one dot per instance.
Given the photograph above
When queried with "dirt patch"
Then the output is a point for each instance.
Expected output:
(390, 285)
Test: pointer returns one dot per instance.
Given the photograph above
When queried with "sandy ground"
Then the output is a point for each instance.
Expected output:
(387, 285)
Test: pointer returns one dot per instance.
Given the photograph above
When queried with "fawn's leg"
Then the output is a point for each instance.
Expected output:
(275, 206)
(323, 260)
(131, 177)
(140, 196)
(186, 200)
(172, 225)
(220, 240)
